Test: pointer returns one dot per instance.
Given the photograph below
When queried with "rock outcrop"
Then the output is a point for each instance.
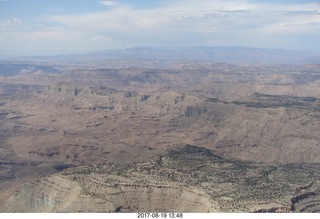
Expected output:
(60, 194)
(189, 179)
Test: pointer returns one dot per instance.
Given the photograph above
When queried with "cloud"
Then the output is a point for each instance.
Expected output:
(10, 24)
(308, 26)
(99, 38)
(184, 23)
(186, 16)
(109, 3)
(188, 23)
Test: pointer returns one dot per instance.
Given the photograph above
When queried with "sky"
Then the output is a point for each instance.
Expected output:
(51, 27)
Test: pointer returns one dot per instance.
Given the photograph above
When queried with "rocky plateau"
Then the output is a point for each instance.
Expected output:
(165, 136)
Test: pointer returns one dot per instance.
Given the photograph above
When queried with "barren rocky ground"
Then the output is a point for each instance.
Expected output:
(182, 136)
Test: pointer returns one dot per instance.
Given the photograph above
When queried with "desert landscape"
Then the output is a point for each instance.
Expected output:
(128, 132)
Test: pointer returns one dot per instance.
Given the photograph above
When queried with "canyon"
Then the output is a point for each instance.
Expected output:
(147, 135)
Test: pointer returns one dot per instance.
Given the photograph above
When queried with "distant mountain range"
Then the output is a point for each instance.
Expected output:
(235, 55)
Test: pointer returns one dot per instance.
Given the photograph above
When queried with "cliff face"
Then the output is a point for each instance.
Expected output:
(60, 194)
(63, 93)
(53, 194)
(189, 179)
(194, 111)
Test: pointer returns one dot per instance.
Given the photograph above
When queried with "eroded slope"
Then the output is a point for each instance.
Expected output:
(190, 179)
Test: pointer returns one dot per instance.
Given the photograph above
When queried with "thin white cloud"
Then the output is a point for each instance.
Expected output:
(99, 38)
(109, 3)
(186, 15)
(10, 24)
(188, 22)
(294, 27)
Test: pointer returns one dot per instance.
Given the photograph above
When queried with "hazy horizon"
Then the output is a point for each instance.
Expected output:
(59, 27)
